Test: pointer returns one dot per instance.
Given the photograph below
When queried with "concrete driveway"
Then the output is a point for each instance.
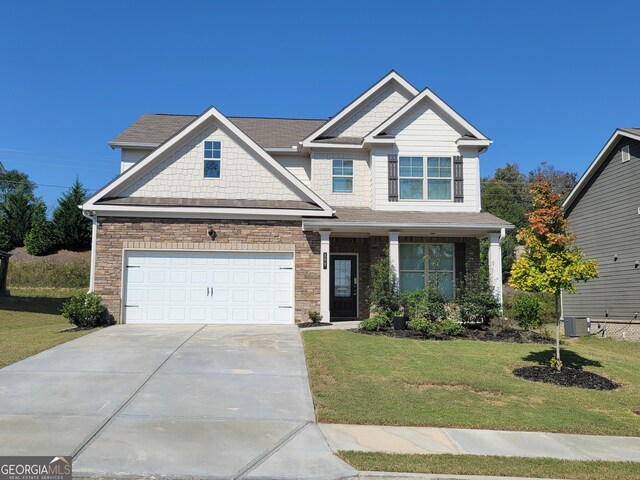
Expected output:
(178, 401)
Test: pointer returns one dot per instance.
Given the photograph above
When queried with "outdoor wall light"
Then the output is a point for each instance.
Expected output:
(211, 232)
(636, 264)
(615, 258)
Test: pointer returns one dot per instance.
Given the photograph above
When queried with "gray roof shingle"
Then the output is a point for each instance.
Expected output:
(154, 129)
(208, 202)
(635, 131)
(377, 217)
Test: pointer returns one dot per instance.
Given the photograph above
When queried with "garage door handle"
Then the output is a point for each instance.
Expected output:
(284, 306)
(208, 291)
(128, 306)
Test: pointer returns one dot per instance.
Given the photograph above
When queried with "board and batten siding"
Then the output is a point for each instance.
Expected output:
(426, 132)
(606, 220)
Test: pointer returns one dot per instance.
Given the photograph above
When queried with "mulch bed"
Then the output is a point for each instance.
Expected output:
(484, 334)
(567, 377)
(311, 324)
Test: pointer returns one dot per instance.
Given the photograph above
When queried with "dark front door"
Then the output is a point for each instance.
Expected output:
(344, 286)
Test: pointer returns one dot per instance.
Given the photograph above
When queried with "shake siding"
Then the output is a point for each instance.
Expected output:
(322, 179)
(425, 132)
(606, 221)
(370, 115)
(181, 174)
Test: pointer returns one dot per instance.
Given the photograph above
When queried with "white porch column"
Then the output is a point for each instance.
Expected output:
(495, 265)
(325, 287)
(394, 252)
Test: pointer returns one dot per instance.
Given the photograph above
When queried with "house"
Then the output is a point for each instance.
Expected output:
(604, 212)
(218, 219)
(2, 169)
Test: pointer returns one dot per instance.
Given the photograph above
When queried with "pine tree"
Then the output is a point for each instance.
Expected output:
(72, 229)
(16, 210)
(551, 262)
(39, 240)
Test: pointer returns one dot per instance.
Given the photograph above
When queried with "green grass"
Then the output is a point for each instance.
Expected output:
(488, 465)
(363, 379)
(30, 322)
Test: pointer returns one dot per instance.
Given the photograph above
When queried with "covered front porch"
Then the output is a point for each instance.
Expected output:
(420, 245)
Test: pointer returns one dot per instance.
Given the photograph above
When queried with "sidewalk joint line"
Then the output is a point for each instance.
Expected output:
(78, 450)
(269, 452)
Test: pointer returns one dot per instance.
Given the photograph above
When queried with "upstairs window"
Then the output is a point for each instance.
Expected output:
(436, 185)
(212, 159)
(411, 178)
(439, 178)
(626, 153)
(342, 177)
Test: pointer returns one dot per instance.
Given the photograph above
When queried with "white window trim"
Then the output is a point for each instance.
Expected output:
(211, 159)
(343, 176)
(625, 152)
(400, 178)
(425, 179)
(426, 269)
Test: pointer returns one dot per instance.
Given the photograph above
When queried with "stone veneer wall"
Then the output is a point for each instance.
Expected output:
(116, 234)
(372, 249)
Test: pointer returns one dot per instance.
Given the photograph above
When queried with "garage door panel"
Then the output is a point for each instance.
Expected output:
(208, 287)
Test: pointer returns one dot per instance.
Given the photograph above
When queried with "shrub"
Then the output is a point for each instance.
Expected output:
(315, 316)
(415, 302)
(451, 327)
(383, 294)
(39, 240)
(375, 323)
(424, 326)
(477, 302)
(85, 310)
(526, 310)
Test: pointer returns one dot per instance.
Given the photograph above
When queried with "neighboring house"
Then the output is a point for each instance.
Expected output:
(2, 169)
(219, 219)
(604, 212)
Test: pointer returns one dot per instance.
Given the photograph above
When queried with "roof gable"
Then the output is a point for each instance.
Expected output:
(149, 172)
(427, 96)
(633, 133)
(376, 103)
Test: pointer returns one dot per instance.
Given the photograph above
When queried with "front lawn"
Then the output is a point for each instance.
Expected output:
(363, 379)
(30, 322)
(489, 465)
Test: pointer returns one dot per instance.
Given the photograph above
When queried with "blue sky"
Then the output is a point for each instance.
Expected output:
(547, 81)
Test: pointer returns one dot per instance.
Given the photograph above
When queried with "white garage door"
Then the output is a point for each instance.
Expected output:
(208, 287)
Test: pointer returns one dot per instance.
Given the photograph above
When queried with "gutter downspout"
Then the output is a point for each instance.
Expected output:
(94, 234)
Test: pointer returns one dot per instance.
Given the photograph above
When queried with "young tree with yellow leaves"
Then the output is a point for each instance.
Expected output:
(551, 262)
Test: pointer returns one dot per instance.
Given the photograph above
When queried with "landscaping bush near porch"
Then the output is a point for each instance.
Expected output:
(368, 379)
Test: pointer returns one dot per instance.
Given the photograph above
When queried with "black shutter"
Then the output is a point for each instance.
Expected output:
(460, 261)
(458, 180)
(393, 178)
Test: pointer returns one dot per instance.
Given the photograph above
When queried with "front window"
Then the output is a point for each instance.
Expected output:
(342, 176)
(439, 178)
(437, 183)
(411, 178)
(424, 265)
(212, 159)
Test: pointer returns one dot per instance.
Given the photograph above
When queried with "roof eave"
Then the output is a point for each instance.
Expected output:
(142, 145)
(595, 164)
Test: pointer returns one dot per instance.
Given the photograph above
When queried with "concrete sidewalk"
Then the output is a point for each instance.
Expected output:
(375, 438)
